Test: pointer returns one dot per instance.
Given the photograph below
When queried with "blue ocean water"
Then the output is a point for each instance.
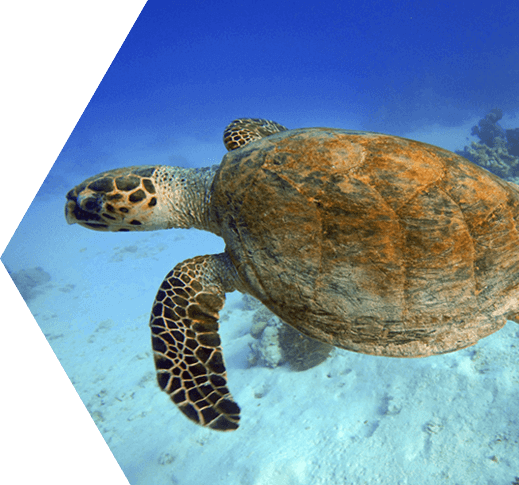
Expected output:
(425, 71)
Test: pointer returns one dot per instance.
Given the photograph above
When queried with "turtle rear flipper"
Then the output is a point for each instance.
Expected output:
(242, 131)
(186, 344)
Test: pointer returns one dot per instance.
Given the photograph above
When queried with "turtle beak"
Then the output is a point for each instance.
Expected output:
(71, 207)
(84, 209)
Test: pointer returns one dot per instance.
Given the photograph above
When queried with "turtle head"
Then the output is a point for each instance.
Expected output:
(143, 198)
(150, 197)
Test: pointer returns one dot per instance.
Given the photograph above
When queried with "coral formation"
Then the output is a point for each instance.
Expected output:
(498, 150)
(278, 343)
(266, 349)
(488, 129)
(28, 280)
(497, 160)
(512, 138)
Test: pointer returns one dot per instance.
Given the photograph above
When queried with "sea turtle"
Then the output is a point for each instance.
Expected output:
(370, 242)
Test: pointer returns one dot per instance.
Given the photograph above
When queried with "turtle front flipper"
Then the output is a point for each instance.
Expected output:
(186, 344)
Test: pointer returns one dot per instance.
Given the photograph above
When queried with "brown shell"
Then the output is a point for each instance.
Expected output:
(370, 242)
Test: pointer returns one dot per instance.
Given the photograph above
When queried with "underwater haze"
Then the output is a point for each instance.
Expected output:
(441, 72)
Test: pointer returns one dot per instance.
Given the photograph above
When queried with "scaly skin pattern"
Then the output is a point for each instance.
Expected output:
(144, 198)
(186, 344)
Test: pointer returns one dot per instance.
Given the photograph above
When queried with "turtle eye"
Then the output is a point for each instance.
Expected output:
(90, 203)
